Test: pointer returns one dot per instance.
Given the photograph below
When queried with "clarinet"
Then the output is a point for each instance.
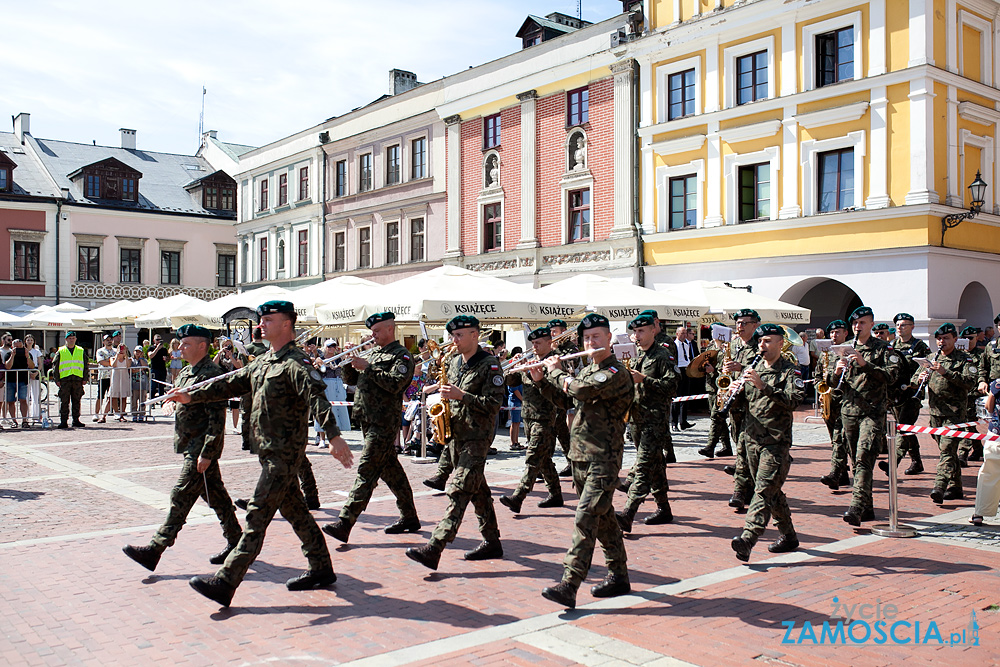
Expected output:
(737, 387)
(843, 374)
(925, 376)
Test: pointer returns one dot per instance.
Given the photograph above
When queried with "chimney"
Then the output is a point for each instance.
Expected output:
(128, 138)
(401, 81)
(22, 125)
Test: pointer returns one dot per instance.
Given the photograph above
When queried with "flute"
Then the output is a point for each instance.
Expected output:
(925, 376)
(843, 373)
(564, 357)
(185, 390)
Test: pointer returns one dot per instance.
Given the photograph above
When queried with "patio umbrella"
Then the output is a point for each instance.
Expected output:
(725, 301)
(308, 299)
(163, 314)
(618, 300)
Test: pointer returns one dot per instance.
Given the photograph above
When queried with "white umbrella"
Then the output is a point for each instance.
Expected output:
(308, 299)
(162, 315)
(52, 317)
(106, 314)
(618, 300)
(13, 321)
(725, 301)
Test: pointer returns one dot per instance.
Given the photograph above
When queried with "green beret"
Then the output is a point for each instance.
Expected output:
(946, 328)
(593, 321)
(970, 331)
(652, 313)
(641, 320)
(558, 323)
(892, 330)
(379, 317)
(70, 333)
(881, 326)
(189, 330)
(746, 312)
(769, 329)
(860, 312)
(116, 333)
(902, 316)
(271, 307)
(996, 320)
(540, 332)
(462, 322)
(836, 324)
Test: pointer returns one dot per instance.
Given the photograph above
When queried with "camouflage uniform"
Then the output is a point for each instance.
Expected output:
(254, 349)
(562, 423)
(473, 427)
(378, 408)
(539, 414)
(718, 428)
(602, 394)
(650, 419)
(198, 432)
(907, 408)
(947, 392)
(842, 455)
(284, 388)
(767, 439)
(989, 363)
(666, 343)
(968, 446)
(743, 484)
(863, 411)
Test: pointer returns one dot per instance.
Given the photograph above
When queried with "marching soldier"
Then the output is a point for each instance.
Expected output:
(284, 386)
(381, 380)
(718, 429)
(867, 374)
(255, 349)
(881, 331)
(907, 407)
(841, 456)
(744, 350)
(199, 431)
(989, 364)
(70, 369)
(539, 425)
(773, 390)
(951, 375)
(558, 327)
(602, 393)
(475, 384)
(655, 380)
(972, 450)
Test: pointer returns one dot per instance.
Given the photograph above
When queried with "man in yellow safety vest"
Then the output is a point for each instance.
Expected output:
(70, 369)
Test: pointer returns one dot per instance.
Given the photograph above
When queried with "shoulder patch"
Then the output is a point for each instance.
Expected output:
(406, 356)
(893, 359)
(315, 375)
(600, 376)
(498, 380)
(401, 368)
(973, 369)
(799, 383)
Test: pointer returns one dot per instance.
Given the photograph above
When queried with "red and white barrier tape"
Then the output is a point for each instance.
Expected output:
(694, 397)
(948, 431)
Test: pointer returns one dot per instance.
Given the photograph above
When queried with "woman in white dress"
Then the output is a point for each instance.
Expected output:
(34, 383)
(121, 383)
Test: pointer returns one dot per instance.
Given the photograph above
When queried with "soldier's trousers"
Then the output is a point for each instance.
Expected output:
(841, 454)
(70, 395)
(743, 483)
(949, 473)
(307, 480)
(650, 465)
(864, 435)
(968, 446)
(718, 429)
(379, 460)
(769, 467)
(907, 443)
(562, 432)
(445, 464)
(246, 404)
(277, 491)
(541, 445)
(468, 484)
(189, 487)
(595, 482)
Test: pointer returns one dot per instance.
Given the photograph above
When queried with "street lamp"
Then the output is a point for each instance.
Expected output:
(978, 190)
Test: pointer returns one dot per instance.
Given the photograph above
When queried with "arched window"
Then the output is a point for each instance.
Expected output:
(491, 170)
(576, 151)
(281, 255)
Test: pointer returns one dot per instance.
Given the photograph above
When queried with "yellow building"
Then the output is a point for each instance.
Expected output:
(811, 148)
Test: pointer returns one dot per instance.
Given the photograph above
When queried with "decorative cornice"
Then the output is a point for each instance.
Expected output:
(978, 113)
(750, 132)
(451, 120)
(526, 95)
(841, 114)
(82, 290)
(626, 66)
(679, 145)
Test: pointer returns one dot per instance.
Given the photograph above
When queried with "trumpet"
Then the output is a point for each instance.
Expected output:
(925, 376)
(309, 333)
(565, 357)
(530, 356)
(353, 352)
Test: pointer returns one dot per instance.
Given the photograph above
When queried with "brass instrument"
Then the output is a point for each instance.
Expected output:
(309, 333)
(823, 388)
(792, 339)
(440, 413)
(529, 356)
(565, 357)
(725, 379)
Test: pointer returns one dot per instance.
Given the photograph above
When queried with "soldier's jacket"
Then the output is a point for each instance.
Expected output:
(864, 389)
(474, 417)
(199, 429)
(256, 349)
(907, 366)
(666, 341)
(832, 378)
(948, 390)
(536, 402)
(654, 393)
(602, 394)
(768, 419)
(743, 354)
(285, 388)
(378, 401)
(989, 363)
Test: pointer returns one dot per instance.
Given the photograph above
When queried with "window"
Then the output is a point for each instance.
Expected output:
(680, 87)
(392, 165)
(577, 106)
(170, 267)
(26, 260)
(418, 158)
(228, 197)
(282, 189)
(751, 77)
(89, 268)
(836, 180)
(835, 56)
(392, 243)
(340, 189)
(303, 267)
(339, 251)
(755, 192)
(128, 189)
(211, 197)
(579, 215)
(5, 179)
(303, 183)
(491, 131)
(131, 265)
(417, 240)
(683, 202)
(492, 228)
(93, 186)
(281, 254)
(365, 248)
(226, 274)
(365, 175)
(263, 196)
(245, 265)
(262, 264)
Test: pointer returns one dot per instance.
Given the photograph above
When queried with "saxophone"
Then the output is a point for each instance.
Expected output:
(440, 413)
(725, 380)
(823, 388)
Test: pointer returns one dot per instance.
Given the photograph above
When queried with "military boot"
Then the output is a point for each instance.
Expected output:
(937, 495)
(625, 519)
(339, 529)
(661, 516)
(513, 503)
(708, 451)
(486, 550)
(729, 470)
(312, 503)
(410, 525)
(426, 555)
(562, 593)
(784, 544)
(310, 580)
(742, 546)
(963, 459)
(551, 500)
(953, 494)
(566, 472)
(147, 556)
(241, 503)
(220, 558)
(737, 502)
(844, 479)
(612, 586)
(832, 480)
(726, 450)
(436, 482)
(214, 589)
(916, 466)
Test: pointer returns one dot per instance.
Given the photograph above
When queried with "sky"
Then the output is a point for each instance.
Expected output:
(85, 69)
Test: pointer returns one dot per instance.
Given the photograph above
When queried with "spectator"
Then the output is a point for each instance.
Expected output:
(988, 334)
(176, 363)
(685, 353)
(18, 361)
(34, 378)
(121, 384)
(158, 365)
(105, 358)
(228, 360)
(140, 384)
(988, 480)
(5, 350)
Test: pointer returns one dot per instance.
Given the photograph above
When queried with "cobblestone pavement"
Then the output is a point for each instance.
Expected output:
(71, 499)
